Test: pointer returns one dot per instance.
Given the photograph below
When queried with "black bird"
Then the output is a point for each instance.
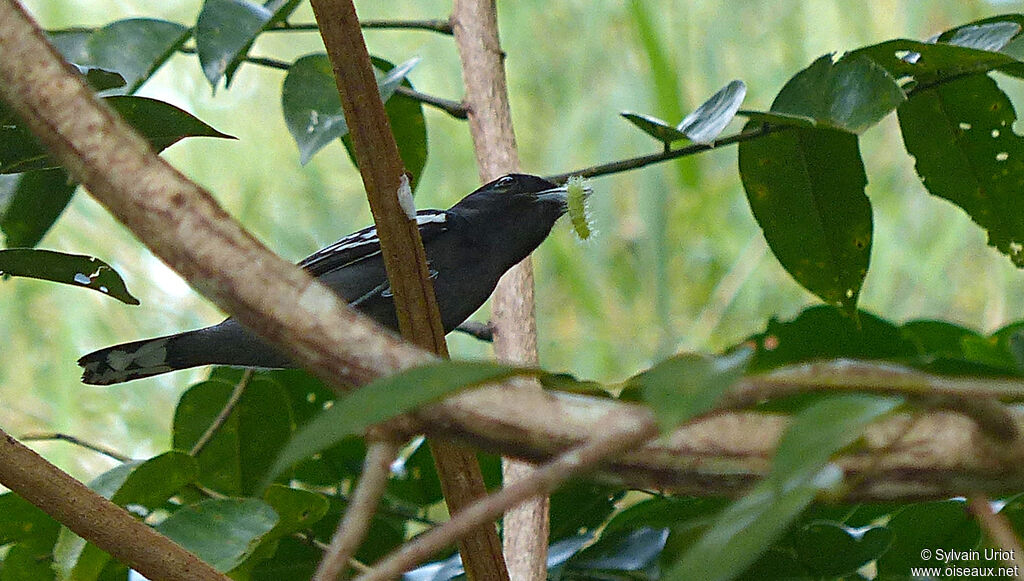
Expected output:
(469, 246)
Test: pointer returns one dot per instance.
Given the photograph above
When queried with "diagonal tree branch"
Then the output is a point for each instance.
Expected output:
(95, 518)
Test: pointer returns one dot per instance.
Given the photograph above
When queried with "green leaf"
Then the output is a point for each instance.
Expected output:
(945, 525)
(388, 397)
(296, 509)
(850, 95)
(236, 460)
(830, 550)
(225, 29)
(312, 108)
(776, 118)
(30, 203)
(822, 430)
(744, 530)
(135, 48)
(706, 123)
(688, 385)
(992, 35)
(961, 135)
(161, 124)
(821, 332)
(925, 63)
(73, 269)
(625, 550)
(806, 190)
(21, 520)
(222, 532)
(656, 128)
(132, 484)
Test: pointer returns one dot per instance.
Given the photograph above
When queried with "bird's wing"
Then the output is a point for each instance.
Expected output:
(365, 244)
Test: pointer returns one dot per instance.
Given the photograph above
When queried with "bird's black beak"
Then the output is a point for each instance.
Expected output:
(558, 195)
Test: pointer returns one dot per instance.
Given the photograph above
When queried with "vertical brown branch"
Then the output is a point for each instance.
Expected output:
(404, 257)
(475, 25)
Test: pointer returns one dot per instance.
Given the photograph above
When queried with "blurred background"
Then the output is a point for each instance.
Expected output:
(677, 263)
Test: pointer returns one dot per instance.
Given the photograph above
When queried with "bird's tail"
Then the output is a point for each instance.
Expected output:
(137, 359)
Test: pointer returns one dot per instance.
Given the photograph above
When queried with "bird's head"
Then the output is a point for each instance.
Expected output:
(516, 211)
(522, 195)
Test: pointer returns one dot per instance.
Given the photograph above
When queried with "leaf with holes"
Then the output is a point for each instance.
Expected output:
(922, 62)
(73, 269)
(961, 135)
(806, 189)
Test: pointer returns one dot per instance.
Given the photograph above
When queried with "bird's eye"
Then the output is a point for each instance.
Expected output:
(505, 182)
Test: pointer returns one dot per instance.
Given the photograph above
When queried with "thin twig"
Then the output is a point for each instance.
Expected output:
(452, 108)
(629, 431)
(360, 511)
(218, 422)
(99, 449)
(999, 531)
(430, 25)
(645, 160)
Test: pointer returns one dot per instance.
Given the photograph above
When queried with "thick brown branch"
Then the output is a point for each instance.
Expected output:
(95, 518)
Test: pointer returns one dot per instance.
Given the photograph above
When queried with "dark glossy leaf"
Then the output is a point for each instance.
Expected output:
(944, 525)
(237, 459)
(706, 123)
(101, 79)
(21, 520)
(293, 559)
(746, 528)
(823, 333)
(656, 128)
(136, 485)
(668, 512)
(30, 203)
(830, 550)
(961, 135)
(135, 48)
(312, 108)
(73, 269)
(806, 189)
(386, 398)
(162, 124)
(225, 29)
(296, 509)
(222, 532)
(685, 386)
(627, 550)
(777, 118)
(926, 63)
(851, 94)
(581, 505)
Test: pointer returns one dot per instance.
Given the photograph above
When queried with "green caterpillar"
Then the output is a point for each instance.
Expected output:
(576, 200)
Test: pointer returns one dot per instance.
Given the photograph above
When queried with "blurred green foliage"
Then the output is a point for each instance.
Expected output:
(677, 262)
